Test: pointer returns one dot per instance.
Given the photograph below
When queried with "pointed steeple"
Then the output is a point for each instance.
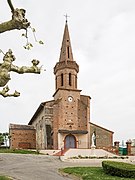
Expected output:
(66, 69)
(66, 49)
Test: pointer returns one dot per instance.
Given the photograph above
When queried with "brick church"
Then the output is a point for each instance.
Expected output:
(63, 122)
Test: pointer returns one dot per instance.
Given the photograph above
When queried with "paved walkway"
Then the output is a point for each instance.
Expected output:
(37, 167)
(33, 167)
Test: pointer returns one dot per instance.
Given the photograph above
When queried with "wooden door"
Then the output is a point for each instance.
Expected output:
(70, 141)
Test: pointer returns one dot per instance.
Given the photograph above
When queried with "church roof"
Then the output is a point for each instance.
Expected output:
(101, 127)
(39, 109)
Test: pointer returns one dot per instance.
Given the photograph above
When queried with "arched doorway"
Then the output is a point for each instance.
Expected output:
(70, 141)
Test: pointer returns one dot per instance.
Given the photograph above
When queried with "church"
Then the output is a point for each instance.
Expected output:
(63, 122)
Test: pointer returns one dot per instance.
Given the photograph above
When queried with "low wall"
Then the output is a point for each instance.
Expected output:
(87, 152)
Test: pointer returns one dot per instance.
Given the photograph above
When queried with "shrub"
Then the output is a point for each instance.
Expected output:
(79, 156)
(119, 169)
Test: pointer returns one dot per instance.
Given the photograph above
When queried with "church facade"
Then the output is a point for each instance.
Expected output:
(64, 122)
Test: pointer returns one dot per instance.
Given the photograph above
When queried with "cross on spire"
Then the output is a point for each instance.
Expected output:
(66, 16)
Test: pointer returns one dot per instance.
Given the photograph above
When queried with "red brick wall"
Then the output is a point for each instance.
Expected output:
(104, 138)
(22, 138)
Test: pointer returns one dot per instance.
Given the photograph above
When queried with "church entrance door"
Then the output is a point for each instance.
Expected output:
(70, 141)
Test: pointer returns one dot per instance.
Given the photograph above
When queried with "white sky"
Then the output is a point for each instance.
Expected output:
(102, 35)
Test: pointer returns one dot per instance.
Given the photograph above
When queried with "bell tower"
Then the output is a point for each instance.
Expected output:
(71, 111)
(66, 69)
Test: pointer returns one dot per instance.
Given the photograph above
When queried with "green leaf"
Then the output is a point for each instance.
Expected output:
(30, 45)
(40, 42)
(24, 35)
(33, 29)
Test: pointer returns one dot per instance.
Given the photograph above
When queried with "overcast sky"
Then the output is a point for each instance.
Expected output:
(102, 34)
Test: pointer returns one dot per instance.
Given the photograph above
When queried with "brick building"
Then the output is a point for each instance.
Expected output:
(64, 122)
(22, 136)
(104, 137)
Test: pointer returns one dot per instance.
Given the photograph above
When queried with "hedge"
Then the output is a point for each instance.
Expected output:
(119, 169)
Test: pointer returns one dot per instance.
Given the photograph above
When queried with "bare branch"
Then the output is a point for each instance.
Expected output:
(18, 21)
(5, 90)
(10, 5)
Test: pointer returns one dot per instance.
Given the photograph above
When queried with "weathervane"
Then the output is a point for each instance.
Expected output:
(66, 16)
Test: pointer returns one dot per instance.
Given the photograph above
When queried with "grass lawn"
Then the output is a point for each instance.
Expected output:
(91, 173)
(20, 151)
(4, 178)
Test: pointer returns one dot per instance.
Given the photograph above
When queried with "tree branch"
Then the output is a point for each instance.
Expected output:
(10, 5)
(18, 20)
(5, 90)
(13, 24)
(10, 25)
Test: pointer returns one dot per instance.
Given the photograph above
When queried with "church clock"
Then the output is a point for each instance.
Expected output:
(70, 98)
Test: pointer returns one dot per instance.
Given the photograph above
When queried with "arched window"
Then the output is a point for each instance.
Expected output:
(70, 79)
(62, 79)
